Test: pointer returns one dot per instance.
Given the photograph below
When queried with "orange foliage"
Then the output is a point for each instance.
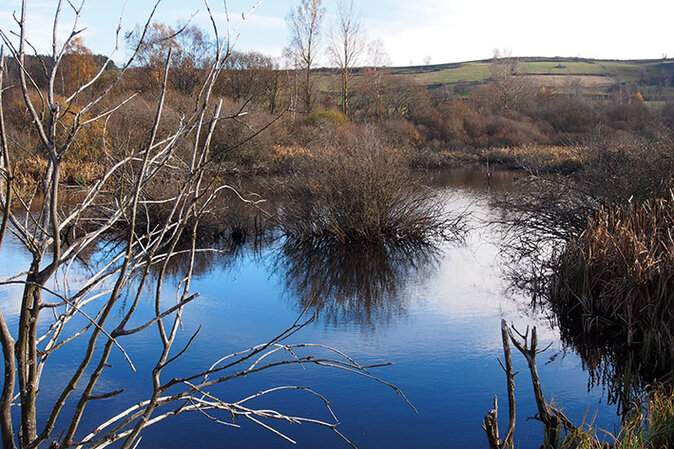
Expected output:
(89, 142)
(78, 66)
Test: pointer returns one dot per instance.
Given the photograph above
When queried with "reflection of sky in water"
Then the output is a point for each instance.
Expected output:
(444, 346)
(13, 259)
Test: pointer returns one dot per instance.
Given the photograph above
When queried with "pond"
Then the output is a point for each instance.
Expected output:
(434, 314)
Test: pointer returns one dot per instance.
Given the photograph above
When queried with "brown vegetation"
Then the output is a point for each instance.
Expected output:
(512, 120)
(595, 249)
(617, 279)
(361, 190)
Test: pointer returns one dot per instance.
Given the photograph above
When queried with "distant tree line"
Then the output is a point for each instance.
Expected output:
(294, 100)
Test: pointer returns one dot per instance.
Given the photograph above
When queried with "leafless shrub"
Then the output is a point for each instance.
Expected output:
(363, 191)
(623, 166)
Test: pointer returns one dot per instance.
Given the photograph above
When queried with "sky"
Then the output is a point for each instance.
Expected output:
(412, 31)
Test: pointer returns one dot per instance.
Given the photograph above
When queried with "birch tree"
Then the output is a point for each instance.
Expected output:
(304, 23)
(348, 43)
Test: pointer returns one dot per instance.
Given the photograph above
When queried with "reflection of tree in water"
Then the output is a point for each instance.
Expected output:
(361, 283)
(221, 253)
(222, 241)
(623, 369)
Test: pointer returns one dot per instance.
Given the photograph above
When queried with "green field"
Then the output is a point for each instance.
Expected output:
(592, 77)
(596, 76)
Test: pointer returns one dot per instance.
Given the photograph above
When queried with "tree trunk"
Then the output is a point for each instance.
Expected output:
(307, 92)
(26, 352)
(8, 387)
(345, 92)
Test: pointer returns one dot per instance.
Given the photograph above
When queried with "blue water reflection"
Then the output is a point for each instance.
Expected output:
(437, 319)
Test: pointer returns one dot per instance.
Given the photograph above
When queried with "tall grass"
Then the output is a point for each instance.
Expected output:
(595, 248)
(615, 281)
(650, 425)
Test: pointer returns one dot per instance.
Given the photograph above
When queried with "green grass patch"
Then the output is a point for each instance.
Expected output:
(466, 73)
(479, 71)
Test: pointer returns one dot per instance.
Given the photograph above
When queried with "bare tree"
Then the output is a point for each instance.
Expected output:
(119, 205)
(377, 56)
(153, 43)
(347, 45)
(191, 58)
(252, 74)
(304, 23)
(509, 83)
(190, 48)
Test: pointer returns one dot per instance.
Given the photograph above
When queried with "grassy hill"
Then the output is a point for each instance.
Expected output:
(654, 78)
(594, 76)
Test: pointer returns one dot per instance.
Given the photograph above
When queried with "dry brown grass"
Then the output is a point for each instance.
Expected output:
(538, 158)
(595, 249)
(617, 277)
(29, 172)
(285, 152)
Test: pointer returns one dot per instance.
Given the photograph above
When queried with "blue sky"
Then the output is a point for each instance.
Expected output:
(445, 30)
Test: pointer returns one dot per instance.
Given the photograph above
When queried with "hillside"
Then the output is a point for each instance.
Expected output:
(654, 78)
(593, 76)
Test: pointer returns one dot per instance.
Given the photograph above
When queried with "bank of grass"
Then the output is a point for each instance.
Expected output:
(421, 159)
(650, 425)
(536, 158)
(29, 171)
(283, 159)
(539, 159)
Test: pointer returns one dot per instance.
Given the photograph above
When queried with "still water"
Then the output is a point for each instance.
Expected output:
(436, 316)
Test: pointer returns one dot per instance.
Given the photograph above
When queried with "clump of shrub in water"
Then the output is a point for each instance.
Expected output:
(617, 280)
(361, 190)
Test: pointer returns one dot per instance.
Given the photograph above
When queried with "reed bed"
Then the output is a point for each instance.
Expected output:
(617, 279)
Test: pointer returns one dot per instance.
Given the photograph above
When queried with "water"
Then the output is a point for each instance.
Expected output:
(435, 316)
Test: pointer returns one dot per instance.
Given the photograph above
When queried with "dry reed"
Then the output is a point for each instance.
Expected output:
(617, 279)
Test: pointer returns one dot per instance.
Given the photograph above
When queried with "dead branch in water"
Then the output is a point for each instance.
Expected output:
(553, 419)
(491, 418)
